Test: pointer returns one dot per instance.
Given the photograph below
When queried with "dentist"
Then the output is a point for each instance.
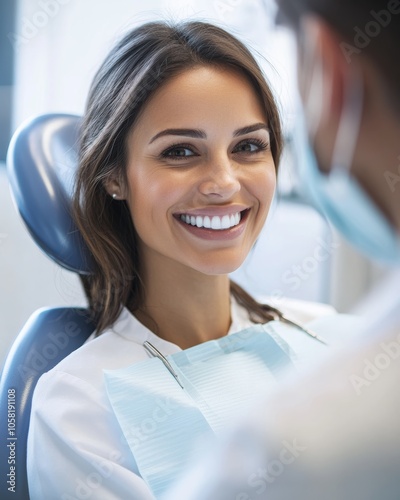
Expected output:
(335, 432)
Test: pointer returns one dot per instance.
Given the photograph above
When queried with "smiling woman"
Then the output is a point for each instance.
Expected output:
(174, 111)
(216, 171)
(180, 147)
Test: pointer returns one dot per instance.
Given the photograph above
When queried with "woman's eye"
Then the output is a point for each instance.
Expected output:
(178, 152)
(254, 146)
(248, 147)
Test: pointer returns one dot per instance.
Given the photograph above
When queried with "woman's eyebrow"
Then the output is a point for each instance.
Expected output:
(188, 132)
(200, 134)
(251, 128)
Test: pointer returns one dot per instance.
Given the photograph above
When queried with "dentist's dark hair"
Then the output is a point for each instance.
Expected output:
(369, 29)
(139, 64)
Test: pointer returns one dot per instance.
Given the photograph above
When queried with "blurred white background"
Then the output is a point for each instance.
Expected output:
(57, 47)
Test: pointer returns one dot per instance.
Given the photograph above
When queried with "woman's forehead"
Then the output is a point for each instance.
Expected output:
(198, 95)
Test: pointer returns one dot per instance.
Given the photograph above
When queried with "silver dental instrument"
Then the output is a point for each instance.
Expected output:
(153, 351)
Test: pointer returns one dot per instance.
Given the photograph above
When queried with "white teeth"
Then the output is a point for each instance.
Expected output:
(217, 223)
(226, 222)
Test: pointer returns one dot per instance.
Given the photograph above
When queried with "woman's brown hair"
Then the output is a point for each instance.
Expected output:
(136, 67)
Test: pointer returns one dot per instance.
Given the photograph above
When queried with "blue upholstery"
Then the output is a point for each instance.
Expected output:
(47, 337)
(41, 163)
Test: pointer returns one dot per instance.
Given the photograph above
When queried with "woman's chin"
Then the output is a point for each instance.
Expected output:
(220, 268)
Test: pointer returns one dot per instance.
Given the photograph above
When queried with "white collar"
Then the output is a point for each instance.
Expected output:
(130, 328)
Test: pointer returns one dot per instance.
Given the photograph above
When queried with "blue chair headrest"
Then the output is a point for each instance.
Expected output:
(41, 163)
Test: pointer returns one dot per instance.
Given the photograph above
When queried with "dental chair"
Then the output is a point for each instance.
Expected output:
(41, 163)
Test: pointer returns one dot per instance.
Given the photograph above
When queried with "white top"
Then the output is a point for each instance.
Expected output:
(76, 448)
(333, 433)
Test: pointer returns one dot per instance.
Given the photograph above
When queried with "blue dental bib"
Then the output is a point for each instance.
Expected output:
(163, 422)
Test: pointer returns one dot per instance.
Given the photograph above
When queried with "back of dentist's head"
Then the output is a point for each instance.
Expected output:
(366, 28)
(349, 82)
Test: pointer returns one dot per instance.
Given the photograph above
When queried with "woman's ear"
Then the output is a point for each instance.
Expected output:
(115, 188)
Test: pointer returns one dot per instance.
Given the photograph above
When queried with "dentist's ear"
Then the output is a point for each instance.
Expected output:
(321, 74)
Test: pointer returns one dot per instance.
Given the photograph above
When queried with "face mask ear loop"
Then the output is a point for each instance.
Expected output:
(314, 97)
(349, 125)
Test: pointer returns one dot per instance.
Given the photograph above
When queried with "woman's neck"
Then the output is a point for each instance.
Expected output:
(182, 305)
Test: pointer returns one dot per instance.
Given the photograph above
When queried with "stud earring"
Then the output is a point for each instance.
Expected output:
(114, 195)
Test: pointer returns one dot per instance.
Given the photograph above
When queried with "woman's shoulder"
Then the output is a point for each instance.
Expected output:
(302, 311)
(118, 346)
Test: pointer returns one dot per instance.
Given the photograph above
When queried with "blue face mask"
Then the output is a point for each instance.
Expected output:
(338, 194)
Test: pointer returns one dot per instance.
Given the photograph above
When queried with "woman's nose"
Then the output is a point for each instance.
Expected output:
(220, 180)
